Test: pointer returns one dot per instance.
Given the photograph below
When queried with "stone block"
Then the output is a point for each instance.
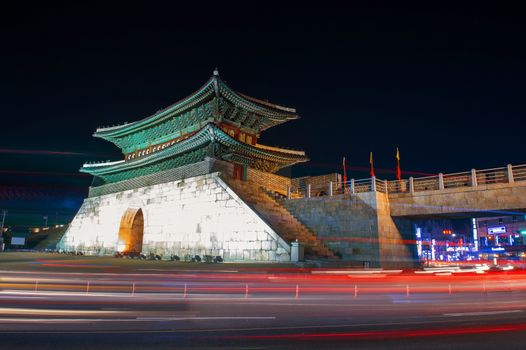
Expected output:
(262, 235)
(281, 250)
(271, 255)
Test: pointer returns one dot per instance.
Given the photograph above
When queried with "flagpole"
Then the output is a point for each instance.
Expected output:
(344, 175)
(398, 169)
(371, 170)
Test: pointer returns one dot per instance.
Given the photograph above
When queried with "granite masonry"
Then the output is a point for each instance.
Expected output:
(358, 227)
(195, 216)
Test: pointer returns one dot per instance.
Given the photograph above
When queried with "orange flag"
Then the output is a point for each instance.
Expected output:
(371, 165)
(398, 169)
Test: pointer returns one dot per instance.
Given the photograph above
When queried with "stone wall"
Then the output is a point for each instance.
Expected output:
(395, 236)
(347, 224)
(358, 227)
(196, 216)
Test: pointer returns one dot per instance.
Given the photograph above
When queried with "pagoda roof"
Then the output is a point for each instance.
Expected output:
(208, 134)
(268, 114)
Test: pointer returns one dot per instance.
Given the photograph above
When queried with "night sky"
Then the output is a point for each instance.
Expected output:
(444, 84)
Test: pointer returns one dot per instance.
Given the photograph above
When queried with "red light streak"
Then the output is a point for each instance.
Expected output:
(392, 333)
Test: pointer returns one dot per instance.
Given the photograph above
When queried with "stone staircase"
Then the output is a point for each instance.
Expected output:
(46, 239)
(279, 218)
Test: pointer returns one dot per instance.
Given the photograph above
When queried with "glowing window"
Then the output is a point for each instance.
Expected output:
(249, 139)
(242, 137)
(231, 132)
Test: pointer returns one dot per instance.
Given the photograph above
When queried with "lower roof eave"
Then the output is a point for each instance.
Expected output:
(209, 133)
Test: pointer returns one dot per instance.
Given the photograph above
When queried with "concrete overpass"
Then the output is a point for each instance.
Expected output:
(474, 193)
(370, 219)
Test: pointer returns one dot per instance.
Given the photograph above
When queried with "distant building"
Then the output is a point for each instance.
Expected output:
(445, 240)
(504, 235)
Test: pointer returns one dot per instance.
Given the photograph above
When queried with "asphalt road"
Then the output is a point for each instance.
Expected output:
(65, 307)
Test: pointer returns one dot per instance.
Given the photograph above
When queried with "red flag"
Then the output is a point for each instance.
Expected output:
(371, 165)
(398, 169)
(344, 173)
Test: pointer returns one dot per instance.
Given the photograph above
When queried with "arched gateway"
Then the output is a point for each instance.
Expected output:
(181, 165)
(131, 231)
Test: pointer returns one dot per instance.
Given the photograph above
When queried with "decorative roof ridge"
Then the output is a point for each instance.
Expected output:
(95, 165)
(161, 111)
(212, 87)
(250, 98)
(267, 103)
(258, 105)
(113, 127)
(279, 149)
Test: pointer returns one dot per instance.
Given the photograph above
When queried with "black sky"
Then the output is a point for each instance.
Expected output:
(444, 83)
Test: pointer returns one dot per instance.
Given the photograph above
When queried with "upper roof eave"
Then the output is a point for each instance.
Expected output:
(268, 104)
(213, 85)
(181, 104)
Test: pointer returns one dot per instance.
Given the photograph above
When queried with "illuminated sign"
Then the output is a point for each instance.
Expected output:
(419, 241)
(500, 249)
(18, 240)
(447, 232)
(496, 229)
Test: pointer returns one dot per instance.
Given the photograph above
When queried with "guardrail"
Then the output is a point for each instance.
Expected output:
(473, 178)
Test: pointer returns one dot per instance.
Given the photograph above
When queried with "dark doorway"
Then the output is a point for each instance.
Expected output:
(239, 172)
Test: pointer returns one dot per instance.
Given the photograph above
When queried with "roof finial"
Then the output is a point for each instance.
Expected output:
(216, 72)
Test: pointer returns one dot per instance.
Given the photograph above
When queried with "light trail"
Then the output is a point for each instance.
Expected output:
(48, 152)
(41, 173)
(261, 304)
(383, 334)
(483, 313)
(35, 311)
(441, 280)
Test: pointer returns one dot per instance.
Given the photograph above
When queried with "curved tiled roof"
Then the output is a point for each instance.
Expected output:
(209, 133)
(214, 87)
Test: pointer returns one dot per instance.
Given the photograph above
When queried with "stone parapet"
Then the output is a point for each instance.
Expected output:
(187, 171)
